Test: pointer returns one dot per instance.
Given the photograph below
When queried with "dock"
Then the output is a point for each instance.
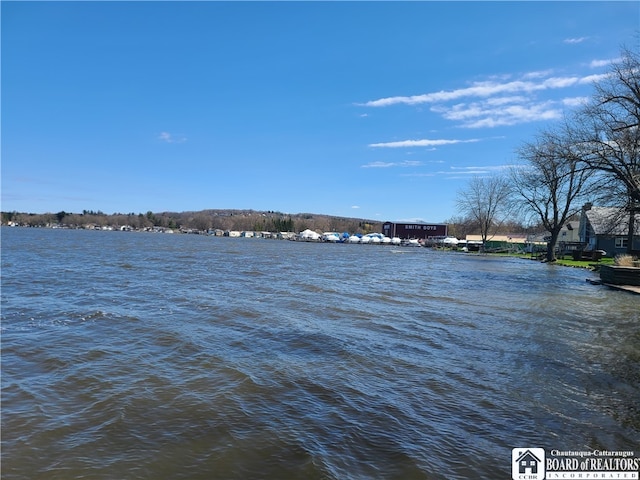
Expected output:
(625, 288)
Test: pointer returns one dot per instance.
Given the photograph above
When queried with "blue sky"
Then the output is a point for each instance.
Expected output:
(377, 110)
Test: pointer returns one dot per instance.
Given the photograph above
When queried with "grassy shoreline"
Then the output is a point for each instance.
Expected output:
(587, 264)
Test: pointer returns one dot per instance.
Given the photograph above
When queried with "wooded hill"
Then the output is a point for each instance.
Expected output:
(204, 220)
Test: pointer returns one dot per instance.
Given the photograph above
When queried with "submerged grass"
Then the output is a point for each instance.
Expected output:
(586, 263)
(589, 264)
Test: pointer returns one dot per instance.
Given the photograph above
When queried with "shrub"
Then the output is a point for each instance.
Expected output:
(624, 261)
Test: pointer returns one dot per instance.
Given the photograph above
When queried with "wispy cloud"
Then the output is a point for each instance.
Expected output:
(486, 89)
(478, 89)
(537, 74)
(575, 101)
(406, 163)
(420, 143)
(422, 174)
(593, 78)
(573, 41)
(472, 170)
(599, 63)
(378, 165)
(489, 114)
(172, 138)
(461, 172)
(494, 102)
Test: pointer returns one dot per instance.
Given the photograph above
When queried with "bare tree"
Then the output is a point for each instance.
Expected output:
(552, 183)
(460, 227)
(485, 200)
(606, 134)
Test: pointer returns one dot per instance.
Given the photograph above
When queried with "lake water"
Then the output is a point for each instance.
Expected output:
(153, 356)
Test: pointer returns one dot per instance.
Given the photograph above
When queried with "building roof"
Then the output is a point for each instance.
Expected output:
(572, 225)
(611, 221)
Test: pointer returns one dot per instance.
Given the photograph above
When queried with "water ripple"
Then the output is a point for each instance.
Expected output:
(148, 356)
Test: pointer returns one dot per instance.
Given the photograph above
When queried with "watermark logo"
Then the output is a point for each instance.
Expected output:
(528, 464)
(535, 464)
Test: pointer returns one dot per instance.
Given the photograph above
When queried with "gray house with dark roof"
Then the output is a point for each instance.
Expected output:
(607, 228)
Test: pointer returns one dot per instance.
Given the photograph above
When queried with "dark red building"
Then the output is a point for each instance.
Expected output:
(414, 230)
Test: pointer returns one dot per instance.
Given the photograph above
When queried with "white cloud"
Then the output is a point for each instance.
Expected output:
(575, 101)
(355, 206)
(378, 165)
(558, 82)
(406, 163)
(600, 63)
(482, 168)
(529, 83)
(506, 100)
(461, 172)
(573, 41)
(492, 114)
(497, 101)
(171, 138)
(538, 74)
(418, 174)
(411, 163)
(419, 143)
(478, 89)
(593, 78)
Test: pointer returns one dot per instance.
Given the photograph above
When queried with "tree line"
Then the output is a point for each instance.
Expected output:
(591, 156)
(205, 220)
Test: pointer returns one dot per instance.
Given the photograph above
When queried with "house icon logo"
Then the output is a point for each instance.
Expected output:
(527, 464)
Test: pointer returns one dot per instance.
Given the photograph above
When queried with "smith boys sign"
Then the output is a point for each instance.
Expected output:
(536, 464)
(414, 230)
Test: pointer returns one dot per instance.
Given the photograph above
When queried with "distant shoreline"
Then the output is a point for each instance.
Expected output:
(204, 220)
